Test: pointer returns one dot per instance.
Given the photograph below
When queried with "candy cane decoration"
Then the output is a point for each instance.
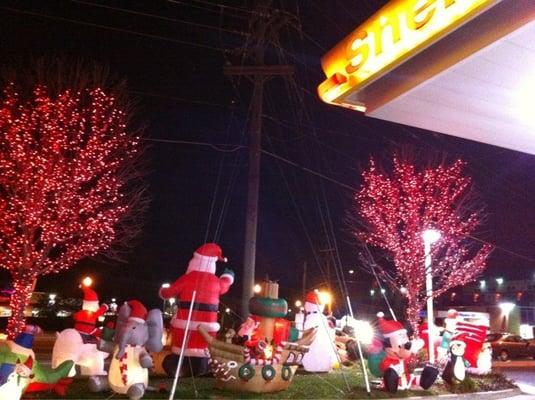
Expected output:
(261, 361)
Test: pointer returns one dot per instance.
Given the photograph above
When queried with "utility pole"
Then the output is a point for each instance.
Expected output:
(304, 281)
(327, 255)
(265, 24)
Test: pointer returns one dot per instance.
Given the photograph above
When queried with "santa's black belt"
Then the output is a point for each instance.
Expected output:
(199, 306)
(93, 324)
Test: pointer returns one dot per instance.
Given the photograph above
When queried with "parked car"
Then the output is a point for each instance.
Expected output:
(507, 345)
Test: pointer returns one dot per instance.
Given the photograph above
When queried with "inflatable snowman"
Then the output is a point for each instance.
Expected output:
(321, 355)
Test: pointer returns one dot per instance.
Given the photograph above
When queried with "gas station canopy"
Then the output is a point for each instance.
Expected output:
(460, 67)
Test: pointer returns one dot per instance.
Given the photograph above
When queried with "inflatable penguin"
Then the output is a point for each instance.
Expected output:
(456, 367)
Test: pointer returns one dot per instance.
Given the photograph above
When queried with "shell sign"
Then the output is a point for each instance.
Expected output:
(399, 30)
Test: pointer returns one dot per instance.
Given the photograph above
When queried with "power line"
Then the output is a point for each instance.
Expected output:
(511, 252)
(180, 21)
(204, 8)
(115, 29)
(221, 147)
(218, 147)
(180, 99)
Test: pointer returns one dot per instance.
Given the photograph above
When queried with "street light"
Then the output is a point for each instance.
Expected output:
(351, 271)
(298, 303)
(87, 281)
(506, 309)
(499, 281)
(257, 288)
(430, 236)
(52, 299)
(482, 284)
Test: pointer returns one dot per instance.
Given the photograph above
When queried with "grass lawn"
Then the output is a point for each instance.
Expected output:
(304, 386)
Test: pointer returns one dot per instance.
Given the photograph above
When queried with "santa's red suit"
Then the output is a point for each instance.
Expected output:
(199, 277)
(85, 320)
(399, 365)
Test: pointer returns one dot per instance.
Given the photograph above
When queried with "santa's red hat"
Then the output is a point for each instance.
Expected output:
(313, 298)
(138, 311)
(389, 327)
(211, 250)
(90, 298)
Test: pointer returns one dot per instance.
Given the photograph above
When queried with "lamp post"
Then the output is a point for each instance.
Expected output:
(164, 286)
(430, 236)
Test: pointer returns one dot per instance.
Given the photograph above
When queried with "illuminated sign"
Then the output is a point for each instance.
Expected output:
(398, 31)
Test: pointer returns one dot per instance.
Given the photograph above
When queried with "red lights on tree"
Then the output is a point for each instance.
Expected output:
(395, 208)
(67, 172)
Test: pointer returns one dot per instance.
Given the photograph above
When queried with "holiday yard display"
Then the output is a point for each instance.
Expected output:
(391, 360)
(461, 347)
(42, 378)
(15, 383)
(450, 323)
(456, 366)
(137, 333)
(396, 208)
(271, 352)
(484, 361)
(322, 354)
(85, 320)
(67, 175)
(199, 277)
(80, 344)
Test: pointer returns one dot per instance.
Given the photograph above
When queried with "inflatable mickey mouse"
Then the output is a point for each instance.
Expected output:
(398, 350)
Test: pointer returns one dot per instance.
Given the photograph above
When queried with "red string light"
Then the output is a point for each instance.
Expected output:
(61, 182)
(397, 208)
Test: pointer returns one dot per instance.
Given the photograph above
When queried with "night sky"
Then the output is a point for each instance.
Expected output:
(174, 67)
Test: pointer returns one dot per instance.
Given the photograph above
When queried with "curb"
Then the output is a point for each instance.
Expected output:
(498, 394)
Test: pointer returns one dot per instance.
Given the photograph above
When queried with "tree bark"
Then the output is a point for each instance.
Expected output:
(23, 285)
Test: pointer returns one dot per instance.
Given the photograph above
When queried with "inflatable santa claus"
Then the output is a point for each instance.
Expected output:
(199, 277)
(85, 320)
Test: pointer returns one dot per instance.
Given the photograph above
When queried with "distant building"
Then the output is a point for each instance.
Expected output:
(510, 303)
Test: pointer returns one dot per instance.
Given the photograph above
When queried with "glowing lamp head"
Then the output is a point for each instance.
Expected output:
(298, 303)
(507, 307)
(87, 281)
(499, 281)
(227, 310)
(431, 236)
(166, 285)
(257, 288)
(325, 298)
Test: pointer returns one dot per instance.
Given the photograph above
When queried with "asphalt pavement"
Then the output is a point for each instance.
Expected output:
(522, 372)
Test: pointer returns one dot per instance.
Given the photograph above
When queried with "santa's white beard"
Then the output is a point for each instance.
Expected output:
(202, 264)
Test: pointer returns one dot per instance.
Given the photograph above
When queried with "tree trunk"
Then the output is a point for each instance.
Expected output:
(23, 285)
